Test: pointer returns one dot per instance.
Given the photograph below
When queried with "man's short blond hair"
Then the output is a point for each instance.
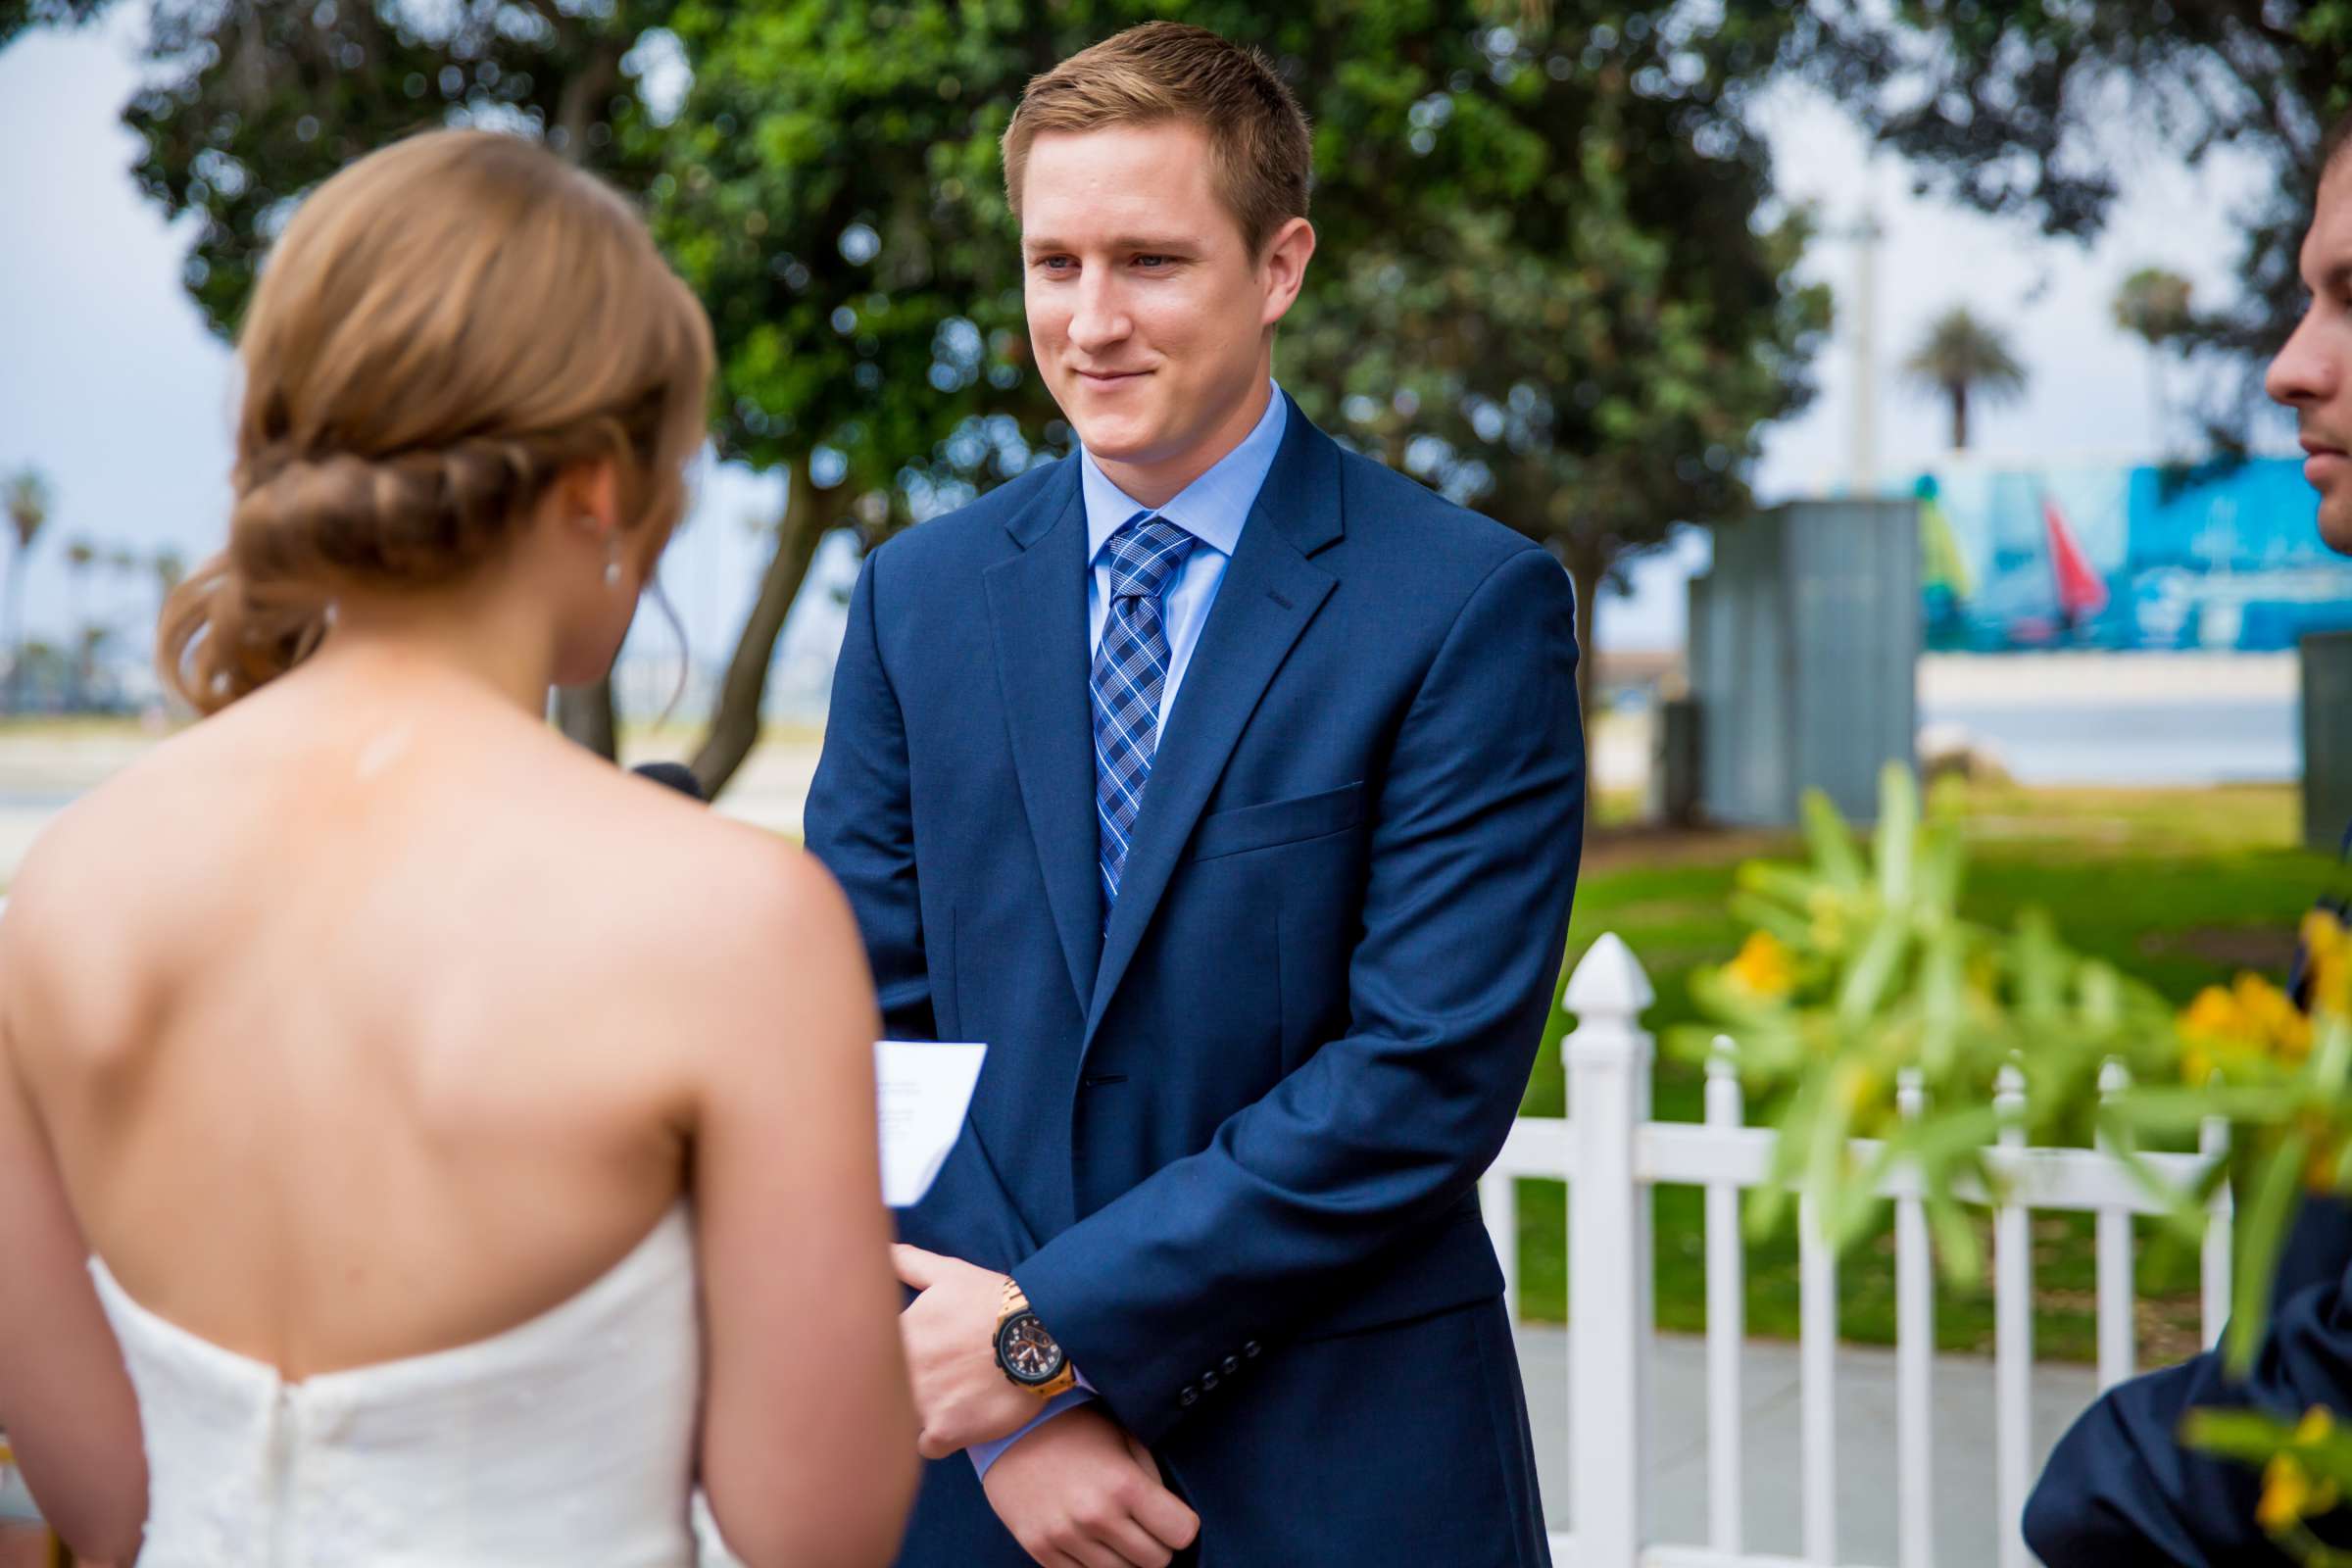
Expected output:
(1171, 70)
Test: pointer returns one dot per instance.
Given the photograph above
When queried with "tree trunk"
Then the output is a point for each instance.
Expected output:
(1959, 419)
(84, 649)
(585, 714)
(735, 721)
(16, 632)
(577, 107)
(1585, 572)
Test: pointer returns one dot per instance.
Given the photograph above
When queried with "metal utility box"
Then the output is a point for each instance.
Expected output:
(1804, 647)
(2326, 660)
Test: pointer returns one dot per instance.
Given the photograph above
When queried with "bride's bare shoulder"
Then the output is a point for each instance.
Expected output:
(686, 876)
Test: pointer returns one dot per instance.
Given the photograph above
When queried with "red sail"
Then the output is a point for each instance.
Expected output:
(2081, 592)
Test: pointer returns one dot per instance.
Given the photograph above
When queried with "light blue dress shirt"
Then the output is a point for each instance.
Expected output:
(1213, 509)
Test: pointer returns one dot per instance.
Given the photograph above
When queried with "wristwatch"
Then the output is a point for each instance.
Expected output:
(1029, 1356)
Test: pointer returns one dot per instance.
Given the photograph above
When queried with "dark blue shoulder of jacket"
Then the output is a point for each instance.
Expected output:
(975, 533)
(1394, 514)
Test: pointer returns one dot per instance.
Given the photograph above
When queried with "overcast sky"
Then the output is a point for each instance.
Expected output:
(110, 385)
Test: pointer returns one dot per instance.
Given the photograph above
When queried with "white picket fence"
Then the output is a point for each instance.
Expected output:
(1611, 1153)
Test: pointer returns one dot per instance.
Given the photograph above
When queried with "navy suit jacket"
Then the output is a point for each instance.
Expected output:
(2122, 1488)
(1228, 1143)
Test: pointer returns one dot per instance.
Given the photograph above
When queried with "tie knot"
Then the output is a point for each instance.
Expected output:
(1144, 556)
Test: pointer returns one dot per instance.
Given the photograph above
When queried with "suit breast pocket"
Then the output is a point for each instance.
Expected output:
(1278, 822)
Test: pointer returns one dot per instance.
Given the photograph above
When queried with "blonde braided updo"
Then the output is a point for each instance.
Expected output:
(445, 327)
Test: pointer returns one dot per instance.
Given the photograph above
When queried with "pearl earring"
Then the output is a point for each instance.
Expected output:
(612, 565)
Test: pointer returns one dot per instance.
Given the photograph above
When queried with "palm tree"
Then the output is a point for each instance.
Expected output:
(25, 497)
(168, 566)
(89, 649)
(2153, 305)
(80, 556)
(1960, 358)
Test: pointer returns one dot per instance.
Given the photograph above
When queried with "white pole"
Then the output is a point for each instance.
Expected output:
(1727, 1314)
(2115, 1290)
(1867, 234)
(1608, 1059)
(1498, 1203)
(1914, 1361)
(1817, 1383)
(2012, 1338)
(2213, 1142)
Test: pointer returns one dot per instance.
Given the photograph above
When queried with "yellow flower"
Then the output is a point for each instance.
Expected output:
(2213, 1014)
(2250, 1018)
(2325, 935)
(2329, 951)
(2212, 1028)
(2275, 1024)
(2286, 1494)
(1765, 968)
(2289, 1494)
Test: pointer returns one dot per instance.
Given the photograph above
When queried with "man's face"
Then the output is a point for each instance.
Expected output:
(1146, 311)
(2313, 373)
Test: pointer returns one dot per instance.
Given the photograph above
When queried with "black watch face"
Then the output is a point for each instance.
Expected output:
(1027, 1351)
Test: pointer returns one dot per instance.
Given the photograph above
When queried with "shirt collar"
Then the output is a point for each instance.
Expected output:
(1211, 508)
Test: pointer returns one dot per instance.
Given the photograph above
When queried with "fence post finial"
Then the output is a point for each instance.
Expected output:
(1609, 1256)
(1608, 985)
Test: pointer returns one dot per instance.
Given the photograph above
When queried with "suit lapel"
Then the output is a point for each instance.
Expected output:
(1269, 593)
(1037, 620)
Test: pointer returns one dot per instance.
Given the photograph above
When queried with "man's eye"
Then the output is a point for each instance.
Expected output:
(1054, 264)
(1152, 260)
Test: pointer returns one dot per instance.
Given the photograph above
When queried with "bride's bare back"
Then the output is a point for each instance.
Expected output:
(369, 1017)
(362, 1015)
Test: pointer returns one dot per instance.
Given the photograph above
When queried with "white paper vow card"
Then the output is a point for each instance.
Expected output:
(921, 1089)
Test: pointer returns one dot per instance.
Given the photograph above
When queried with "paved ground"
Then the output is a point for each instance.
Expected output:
(1771, 1454)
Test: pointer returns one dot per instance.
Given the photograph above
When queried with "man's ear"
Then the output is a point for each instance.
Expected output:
(1283, 267)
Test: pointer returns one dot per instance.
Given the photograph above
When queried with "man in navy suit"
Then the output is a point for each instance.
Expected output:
(2120, 1488)
(1228, 787)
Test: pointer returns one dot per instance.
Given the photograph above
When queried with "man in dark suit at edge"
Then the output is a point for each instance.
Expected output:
(2120, 1488)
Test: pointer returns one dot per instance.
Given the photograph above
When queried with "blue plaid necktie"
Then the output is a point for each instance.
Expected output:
(1131, 671)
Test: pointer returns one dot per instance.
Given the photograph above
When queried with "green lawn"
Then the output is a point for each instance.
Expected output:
(2180, 888)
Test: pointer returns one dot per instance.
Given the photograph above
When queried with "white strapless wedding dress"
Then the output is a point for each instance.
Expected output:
(567, 1440)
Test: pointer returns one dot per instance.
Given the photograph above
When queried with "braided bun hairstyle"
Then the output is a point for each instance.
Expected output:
(445, 327)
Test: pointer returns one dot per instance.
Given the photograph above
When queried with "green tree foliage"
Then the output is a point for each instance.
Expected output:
(2021, 109)
(252, 102)
(830, 187)
(1549, 280)
(1552, 280)
(2154, 305)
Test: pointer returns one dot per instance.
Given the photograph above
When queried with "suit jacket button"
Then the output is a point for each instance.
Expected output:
(1208, 1382)
(1189, 1397)
(1233, 1364)
(1251, 1349)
